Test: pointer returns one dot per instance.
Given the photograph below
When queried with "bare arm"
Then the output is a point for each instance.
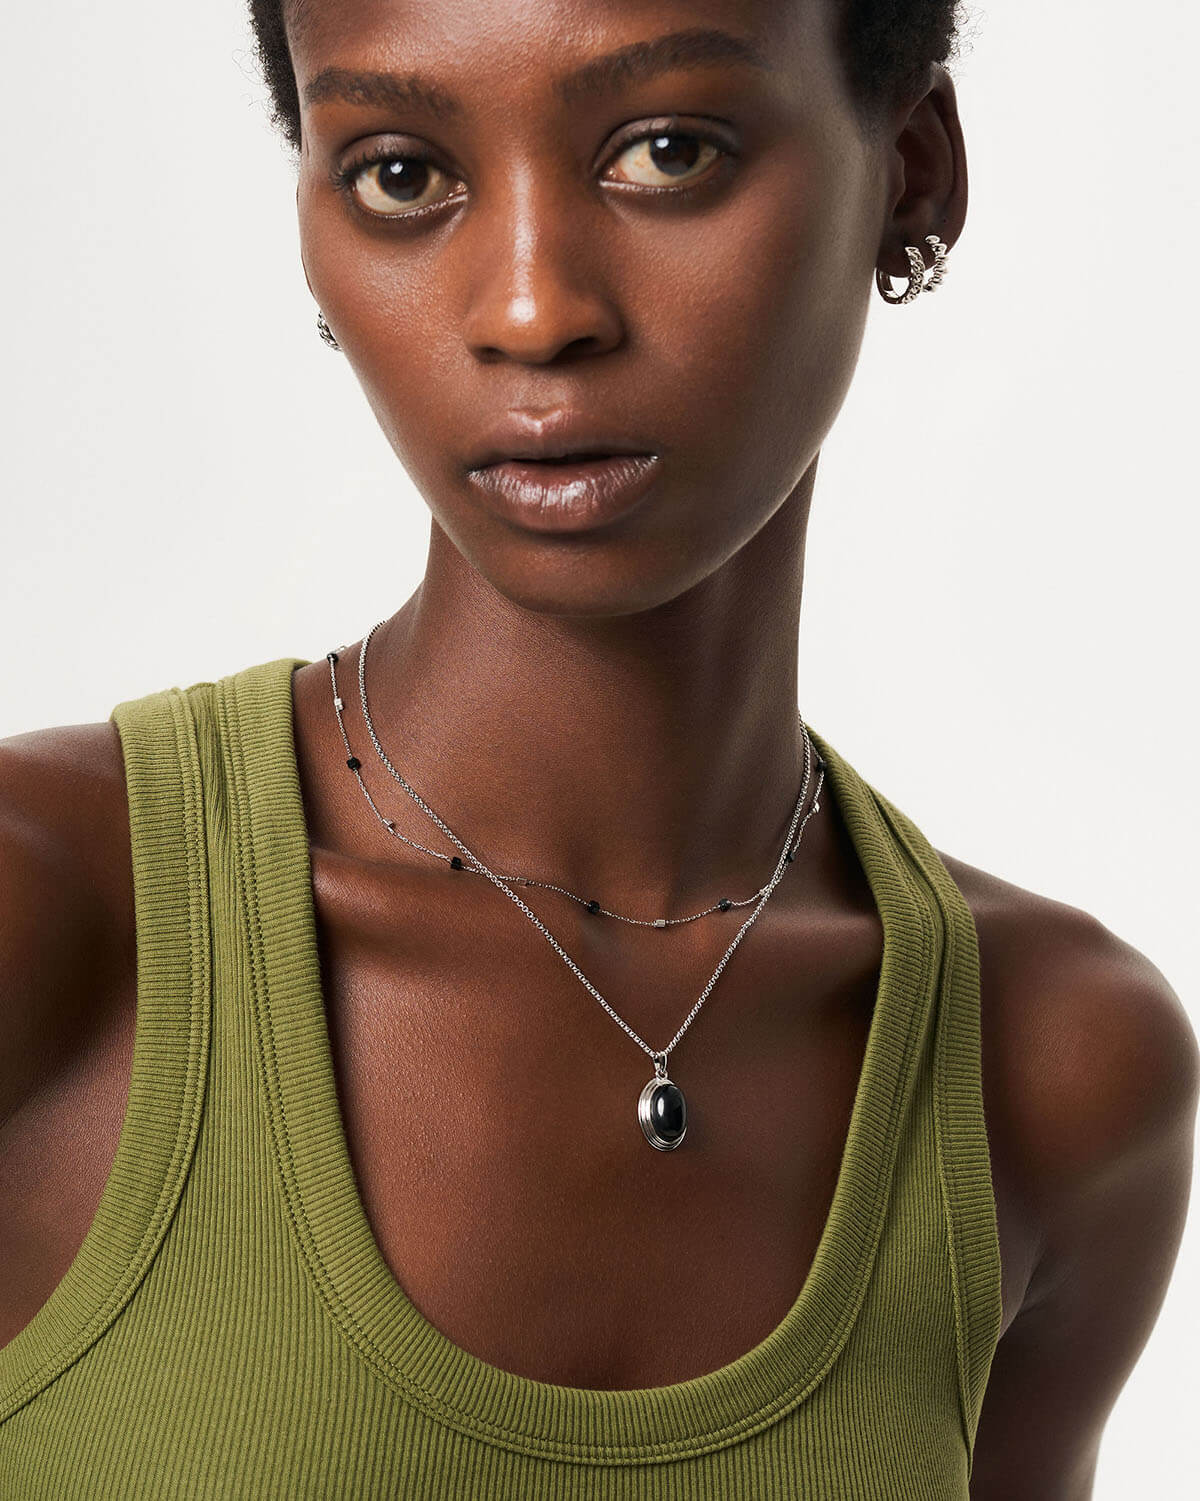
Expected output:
(61, 821)
(39, 943)
(1113, 1084)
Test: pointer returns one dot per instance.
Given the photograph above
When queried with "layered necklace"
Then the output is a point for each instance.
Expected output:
(661, 1108)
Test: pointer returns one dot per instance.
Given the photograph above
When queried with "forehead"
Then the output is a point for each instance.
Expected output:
(514, 33)
(487, 64)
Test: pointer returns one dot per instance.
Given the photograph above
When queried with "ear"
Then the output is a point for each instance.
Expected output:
(927, 184)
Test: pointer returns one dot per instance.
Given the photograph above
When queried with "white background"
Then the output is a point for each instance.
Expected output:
(192, 483)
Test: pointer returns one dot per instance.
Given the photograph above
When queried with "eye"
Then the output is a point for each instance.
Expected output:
(391, 185)
(664, 156)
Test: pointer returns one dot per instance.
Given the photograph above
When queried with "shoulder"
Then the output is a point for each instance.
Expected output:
(1092, 1076)
(1094, 1045)
(66, 898)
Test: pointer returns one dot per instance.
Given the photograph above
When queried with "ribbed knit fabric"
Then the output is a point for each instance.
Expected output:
(230, 1329)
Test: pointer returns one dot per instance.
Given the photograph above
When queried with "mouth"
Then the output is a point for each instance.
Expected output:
(558, 458)
(562, 459)
(569, 492)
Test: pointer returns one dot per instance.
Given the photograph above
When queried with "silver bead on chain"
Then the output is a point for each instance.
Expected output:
(661, 1107)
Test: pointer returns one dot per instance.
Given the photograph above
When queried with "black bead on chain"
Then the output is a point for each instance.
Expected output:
(724, 904)
(456, 863)
(353, 763)
(593, 906)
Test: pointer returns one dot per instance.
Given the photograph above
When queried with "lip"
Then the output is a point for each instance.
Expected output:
(569, 496)
(553, 435)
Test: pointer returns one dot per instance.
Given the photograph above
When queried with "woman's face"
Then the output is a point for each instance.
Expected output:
(523, 242)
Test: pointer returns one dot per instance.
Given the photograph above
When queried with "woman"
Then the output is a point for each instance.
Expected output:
(551, 1068)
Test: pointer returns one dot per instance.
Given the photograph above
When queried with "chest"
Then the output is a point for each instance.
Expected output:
(490, 1114)
(491, 1118)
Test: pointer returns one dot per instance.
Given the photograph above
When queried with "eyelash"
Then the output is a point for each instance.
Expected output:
(343, 178)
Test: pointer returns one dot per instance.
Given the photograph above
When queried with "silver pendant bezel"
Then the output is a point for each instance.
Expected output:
(646, 1120)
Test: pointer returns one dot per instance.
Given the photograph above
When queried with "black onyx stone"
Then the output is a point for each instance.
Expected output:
(668, 1111)
(724, 904)
(593, 906)
(456, 862)
(331, 656)
(789, 857)
(353, 763)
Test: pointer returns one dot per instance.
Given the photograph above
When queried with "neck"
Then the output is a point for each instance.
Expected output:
(645, 759)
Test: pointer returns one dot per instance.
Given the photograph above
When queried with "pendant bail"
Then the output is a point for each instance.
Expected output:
(660, 1065)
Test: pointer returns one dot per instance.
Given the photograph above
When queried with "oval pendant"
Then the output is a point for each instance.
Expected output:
(662, 1110)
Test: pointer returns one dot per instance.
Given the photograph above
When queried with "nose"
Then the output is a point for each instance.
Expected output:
(537, 294)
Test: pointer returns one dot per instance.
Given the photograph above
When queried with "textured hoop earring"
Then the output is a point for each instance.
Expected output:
(325, 331)
(916, 273)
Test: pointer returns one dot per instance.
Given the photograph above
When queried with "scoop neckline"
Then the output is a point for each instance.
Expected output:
(328, 1218)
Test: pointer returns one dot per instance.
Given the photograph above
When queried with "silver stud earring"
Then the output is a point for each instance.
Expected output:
(325, 331)
(917, 282)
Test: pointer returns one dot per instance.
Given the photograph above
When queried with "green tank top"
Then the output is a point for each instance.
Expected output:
(230, 1328)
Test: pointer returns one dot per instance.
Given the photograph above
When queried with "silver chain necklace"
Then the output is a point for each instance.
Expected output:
(455, 861)
(662, 1108)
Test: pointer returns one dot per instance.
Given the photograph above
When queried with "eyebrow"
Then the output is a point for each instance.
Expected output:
(698, 47)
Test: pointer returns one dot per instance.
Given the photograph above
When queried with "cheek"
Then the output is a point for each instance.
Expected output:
(756, 322)
(381, 300)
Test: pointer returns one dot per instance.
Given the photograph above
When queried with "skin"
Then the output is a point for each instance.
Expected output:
(724, 326)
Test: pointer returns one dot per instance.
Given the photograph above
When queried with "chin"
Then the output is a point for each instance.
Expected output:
(593, 575)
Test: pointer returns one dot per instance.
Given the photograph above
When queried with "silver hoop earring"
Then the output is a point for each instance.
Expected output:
(325, 331)
(917, 282)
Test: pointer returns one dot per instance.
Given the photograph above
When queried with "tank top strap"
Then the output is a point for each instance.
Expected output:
(959, 1121)
(169, 1069)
